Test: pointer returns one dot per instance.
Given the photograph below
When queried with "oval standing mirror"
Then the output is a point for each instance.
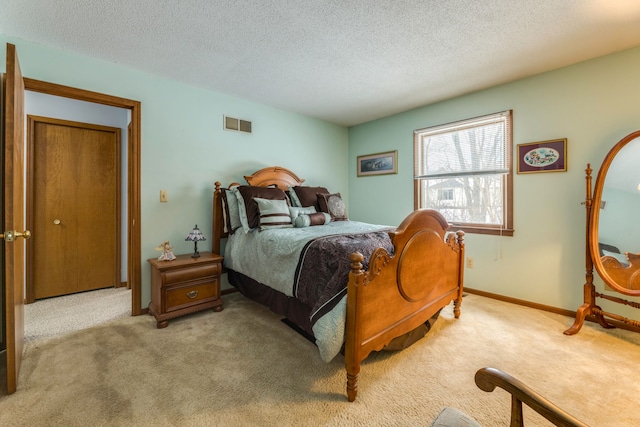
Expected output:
(614, 239)
(613, 233)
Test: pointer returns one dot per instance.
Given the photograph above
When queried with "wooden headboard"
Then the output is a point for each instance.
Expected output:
(272, 175)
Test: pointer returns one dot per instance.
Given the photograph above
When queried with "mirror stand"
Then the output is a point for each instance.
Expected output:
(589, 307)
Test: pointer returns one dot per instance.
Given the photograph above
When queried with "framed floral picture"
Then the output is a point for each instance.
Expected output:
(544, 156)
(378, 164)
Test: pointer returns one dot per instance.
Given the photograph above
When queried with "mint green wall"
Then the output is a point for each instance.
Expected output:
(184, 148)
(593, 104)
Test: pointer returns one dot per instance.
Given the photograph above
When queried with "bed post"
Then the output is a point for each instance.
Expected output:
(352, 348)
(217, 219)
(458, 301)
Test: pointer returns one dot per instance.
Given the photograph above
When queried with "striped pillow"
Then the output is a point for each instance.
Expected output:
(248, 208)
(273, 213)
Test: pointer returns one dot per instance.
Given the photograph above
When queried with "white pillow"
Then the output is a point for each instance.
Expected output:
(273, 214)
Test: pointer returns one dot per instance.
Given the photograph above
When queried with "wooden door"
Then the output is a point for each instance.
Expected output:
(76, 206)
(13, 212)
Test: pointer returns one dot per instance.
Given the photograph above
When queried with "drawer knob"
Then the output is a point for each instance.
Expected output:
(192, 294)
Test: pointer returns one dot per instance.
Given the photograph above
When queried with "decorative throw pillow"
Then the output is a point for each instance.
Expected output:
(307, 220)
(288, 194)
(231, 211)
(333, 205)
(294, 211)
(225, 213)
(303, 196)
(248, 207)
(273, 213)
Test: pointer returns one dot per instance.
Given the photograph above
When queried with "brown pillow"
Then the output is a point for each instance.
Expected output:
(318, 218)
(247, 193)
(307, 196)
(333, 205)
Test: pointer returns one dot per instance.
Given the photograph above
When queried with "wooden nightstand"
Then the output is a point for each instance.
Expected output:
(184, 285)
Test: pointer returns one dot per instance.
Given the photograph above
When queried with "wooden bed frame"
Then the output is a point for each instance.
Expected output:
(397, 293)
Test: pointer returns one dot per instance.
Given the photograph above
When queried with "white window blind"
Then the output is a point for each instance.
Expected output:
(470, 147)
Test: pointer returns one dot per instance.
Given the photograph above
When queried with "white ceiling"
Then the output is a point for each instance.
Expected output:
(346, 61)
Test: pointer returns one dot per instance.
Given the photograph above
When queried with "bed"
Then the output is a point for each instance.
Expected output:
(353, 287)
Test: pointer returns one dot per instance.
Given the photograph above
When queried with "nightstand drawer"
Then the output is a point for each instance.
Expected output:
(182, 275)
(189, 295)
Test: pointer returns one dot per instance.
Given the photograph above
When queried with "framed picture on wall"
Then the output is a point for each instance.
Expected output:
(544, 156)
(378, 164)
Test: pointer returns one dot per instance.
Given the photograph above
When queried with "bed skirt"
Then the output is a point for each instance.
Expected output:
(299, 313)
(279, 303)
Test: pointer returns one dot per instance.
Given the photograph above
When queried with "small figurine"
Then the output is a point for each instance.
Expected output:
(167, 251)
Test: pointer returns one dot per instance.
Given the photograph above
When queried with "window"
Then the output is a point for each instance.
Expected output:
(463, 170)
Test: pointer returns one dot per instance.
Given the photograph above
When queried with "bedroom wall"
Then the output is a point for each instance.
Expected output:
(184, 147)
(593, 104)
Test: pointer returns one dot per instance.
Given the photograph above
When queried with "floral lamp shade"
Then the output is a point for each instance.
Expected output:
(195, 236)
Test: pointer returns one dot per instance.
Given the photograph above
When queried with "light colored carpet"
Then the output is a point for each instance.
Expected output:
(58, 316)
(243, 367)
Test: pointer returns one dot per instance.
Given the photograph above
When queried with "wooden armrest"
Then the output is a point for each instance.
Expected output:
(488, 379)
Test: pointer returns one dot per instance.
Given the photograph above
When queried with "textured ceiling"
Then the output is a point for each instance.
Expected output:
(347, 62)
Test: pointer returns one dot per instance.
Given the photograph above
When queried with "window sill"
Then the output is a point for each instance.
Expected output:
(471, 229)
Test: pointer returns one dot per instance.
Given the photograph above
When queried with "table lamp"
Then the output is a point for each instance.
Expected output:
(195, 236)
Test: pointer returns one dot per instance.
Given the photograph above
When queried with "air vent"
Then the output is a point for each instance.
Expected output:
(238, 125)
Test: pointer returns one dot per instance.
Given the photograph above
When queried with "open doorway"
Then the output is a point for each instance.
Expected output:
(131, 197)
(76, 193)
(77, 211)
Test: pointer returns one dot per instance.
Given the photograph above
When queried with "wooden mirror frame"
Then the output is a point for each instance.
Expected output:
(619, 278)
(614, 274)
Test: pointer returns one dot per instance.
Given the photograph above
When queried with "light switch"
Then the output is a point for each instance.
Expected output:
(164, 196)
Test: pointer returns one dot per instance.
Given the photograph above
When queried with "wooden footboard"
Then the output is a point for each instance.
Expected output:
(398, 293)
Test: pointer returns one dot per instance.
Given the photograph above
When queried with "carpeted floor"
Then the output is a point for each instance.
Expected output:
(58, 316)
(243, 367)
